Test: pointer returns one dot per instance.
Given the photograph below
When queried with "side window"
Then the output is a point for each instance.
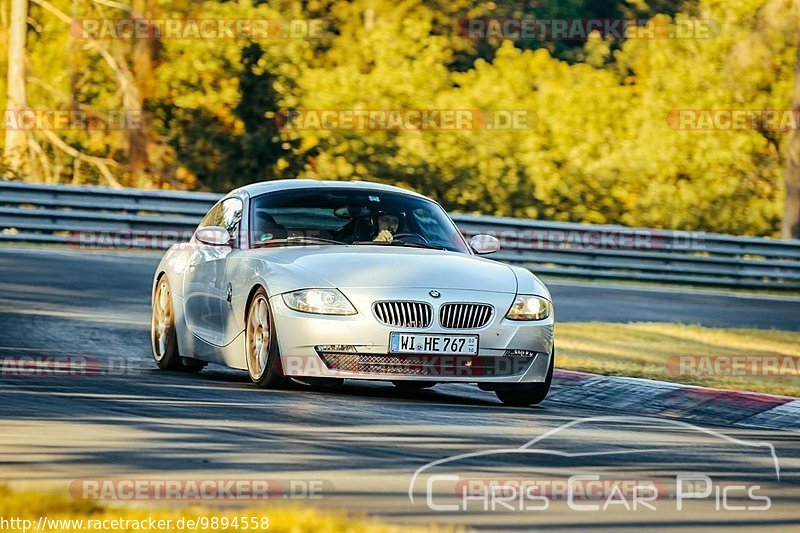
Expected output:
(227, 214)
(231, 215)
(213, 217)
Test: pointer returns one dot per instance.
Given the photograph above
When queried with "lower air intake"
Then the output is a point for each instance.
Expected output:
(427, 365)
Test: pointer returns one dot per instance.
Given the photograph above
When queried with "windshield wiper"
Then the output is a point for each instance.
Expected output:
(409, 244)
(297, 239)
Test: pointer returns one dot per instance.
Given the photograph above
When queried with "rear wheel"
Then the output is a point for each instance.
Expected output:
(523, 395)
(163, 339)
(261, 344)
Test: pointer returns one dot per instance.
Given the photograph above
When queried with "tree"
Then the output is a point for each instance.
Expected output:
(136, 98)
(790, 226)
(599, 147)
(15, 151)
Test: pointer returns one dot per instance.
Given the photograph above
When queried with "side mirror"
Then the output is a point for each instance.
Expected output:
(213, 235)
(484, 244)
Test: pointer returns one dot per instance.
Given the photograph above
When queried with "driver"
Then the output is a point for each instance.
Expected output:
(388, 224)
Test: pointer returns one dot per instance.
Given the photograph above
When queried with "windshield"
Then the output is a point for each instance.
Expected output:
(352, 216)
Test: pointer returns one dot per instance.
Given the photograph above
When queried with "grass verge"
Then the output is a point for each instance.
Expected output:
(646, 350)
(66, 515)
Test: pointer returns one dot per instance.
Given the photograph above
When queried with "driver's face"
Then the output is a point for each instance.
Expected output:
(388, 222)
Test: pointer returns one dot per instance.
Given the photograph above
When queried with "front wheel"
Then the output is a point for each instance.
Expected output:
(261, 344)
(526, 394)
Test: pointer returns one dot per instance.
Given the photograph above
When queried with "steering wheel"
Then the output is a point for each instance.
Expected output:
(407, 235)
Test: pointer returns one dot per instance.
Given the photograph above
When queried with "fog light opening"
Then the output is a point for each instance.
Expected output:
(520, 353)
(335, 348)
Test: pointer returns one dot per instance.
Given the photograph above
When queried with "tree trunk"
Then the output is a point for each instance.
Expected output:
(135, 103)
(790, 228)
(15, 152)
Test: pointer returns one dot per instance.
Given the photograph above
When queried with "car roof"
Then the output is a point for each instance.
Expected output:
(255, 189)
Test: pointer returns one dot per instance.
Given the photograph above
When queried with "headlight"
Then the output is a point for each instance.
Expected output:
(529, 308)
(319, 301)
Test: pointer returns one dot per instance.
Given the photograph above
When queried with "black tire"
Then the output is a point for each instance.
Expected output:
(529, 393)
(163, 337)
(192, 366)
(319, 383)
(264, 368)
(413, 385)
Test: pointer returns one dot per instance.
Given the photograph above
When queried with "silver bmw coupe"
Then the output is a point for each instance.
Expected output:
(321, 281)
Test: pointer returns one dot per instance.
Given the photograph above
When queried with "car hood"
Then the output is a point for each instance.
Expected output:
(366, 266)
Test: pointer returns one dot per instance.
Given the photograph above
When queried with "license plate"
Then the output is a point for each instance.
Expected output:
(438, 344)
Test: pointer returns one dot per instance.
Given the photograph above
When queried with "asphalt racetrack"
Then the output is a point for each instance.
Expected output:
(358, 447)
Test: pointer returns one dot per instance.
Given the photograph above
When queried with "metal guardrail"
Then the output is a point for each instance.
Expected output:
(98, 217)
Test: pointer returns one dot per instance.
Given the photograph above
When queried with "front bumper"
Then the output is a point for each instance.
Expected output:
(367, 340)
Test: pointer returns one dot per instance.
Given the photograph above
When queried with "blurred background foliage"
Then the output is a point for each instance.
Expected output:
(600, 149)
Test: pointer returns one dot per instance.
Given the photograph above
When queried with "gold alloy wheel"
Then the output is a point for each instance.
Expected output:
(162, 321)
(258, 337)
